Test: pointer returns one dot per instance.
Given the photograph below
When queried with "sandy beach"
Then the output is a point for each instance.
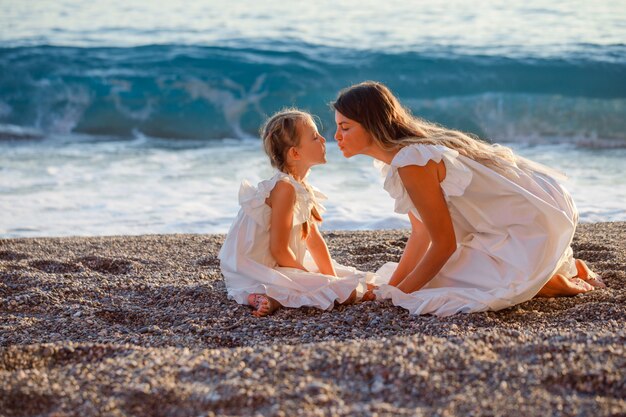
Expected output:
(141, 325)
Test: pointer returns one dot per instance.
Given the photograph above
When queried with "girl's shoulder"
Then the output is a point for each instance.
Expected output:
(249, 194)
(304, 190)
(306, 197)
(284, 189)
(284, 183)
(279, 177)
(253, 199)
(287, 178)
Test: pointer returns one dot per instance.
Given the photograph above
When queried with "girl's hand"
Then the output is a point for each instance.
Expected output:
(319, 251)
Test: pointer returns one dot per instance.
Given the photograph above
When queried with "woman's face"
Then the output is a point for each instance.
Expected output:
(351, 136)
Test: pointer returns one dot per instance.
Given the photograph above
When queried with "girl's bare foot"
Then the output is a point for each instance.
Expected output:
(350, 300)
(588, 275)
(561, 286)
(369, 294)
(262, 304)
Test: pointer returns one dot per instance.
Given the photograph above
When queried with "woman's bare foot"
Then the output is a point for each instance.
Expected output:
(588, 275)
(262, 304)
(561, 286)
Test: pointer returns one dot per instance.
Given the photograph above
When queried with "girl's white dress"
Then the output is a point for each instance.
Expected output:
(249, 268)
(513, 234)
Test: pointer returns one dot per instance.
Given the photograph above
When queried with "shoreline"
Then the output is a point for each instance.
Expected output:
(223, 235)
(140, 325)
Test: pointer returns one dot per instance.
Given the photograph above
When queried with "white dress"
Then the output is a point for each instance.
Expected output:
(513, 234)
(249, 268)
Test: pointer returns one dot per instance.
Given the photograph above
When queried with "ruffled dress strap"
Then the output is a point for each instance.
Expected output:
(312, 199)
(252, 199)
(458, 175)
(307, 198)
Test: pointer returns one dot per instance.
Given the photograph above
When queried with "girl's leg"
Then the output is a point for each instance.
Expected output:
(262, 304)
(561, 286)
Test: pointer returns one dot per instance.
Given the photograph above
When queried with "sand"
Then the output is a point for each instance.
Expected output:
(141, 325)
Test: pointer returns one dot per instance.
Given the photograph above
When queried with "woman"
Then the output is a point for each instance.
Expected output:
(489, 229)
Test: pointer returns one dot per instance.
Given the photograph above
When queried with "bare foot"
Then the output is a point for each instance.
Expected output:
(369, 294)
(350, 300)
(262, 304)
(588, 275)
(561, 286)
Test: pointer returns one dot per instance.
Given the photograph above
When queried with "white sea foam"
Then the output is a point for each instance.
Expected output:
(146, 186)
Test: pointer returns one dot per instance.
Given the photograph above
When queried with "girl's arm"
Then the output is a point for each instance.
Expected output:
(319, 251)
(422, 183)
(413, 251)
(282, 200)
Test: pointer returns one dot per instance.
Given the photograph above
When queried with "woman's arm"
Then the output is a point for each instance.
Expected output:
(413, 251)
(282, 200)
(422, 183)
(319, 251)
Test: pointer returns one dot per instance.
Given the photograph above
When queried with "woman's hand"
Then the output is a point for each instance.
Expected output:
(414, 250)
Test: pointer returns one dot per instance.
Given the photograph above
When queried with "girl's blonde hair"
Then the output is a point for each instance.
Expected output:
(393, 126)
(279, 134)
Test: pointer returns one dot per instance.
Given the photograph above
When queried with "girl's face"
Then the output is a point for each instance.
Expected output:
(351, 136)
(312, 147)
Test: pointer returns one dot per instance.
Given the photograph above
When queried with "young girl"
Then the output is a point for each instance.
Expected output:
(274, 254)
(489, 229)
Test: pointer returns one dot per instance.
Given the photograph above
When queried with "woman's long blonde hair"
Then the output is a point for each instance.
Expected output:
(393, 126)
(280, 133)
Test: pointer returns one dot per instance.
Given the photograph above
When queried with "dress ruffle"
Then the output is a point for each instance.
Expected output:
(322, 295)
(458, 176)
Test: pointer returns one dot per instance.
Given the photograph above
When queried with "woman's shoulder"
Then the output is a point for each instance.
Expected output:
(420, 154)
(457, 175)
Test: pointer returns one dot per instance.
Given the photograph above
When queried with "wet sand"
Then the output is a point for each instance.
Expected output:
(141, 325)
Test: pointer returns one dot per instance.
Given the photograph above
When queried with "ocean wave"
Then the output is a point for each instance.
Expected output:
(202, 92)
(12, 132)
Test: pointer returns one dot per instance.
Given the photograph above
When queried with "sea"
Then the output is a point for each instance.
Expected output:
(126, 117)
